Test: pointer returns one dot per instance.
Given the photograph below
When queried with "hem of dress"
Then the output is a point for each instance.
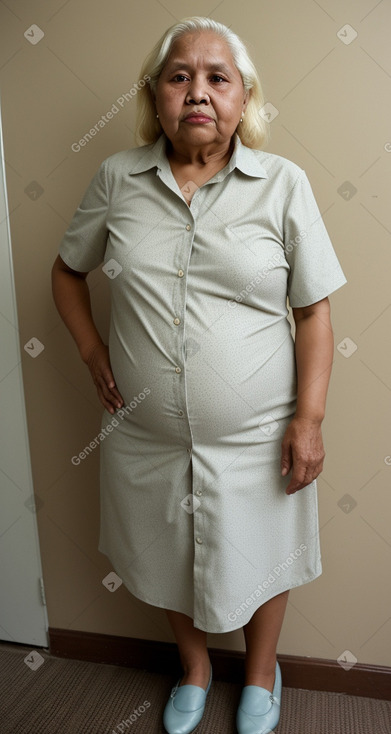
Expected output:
(243, 619)
(141, 596)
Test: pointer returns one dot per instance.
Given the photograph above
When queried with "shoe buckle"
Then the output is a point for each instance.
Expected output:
(271, 698)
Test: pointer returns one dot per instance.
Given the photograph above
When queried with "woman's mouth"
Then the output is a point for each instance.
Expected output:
(198, 119)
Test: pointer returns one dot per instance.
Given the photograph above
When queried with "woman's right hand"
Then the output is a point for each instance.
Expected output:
(98, 362)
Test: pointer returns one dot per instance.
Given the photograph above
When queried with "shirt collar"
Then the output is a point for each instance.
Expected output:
(242, 157)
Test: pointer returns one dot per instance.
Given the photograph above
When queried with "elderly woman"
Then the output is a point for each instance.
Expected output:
(211, 435)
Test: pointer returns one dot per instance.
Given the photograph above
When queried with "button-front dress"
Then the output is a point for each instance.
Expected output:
(194, 514)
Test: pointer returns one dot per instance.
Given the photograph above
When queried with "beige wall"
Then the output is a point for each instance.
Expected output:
(334, 117)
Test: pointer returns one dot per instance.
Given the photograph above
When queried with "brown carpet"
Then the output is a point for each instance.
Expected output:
(76, 697)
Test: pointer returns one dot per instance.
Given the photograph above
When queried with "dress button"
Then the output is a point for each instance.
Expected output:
(180, 412)
(188, 227)
(198, 492)
(199, 540)
(180, 273)
(177, 321)
(178, 370)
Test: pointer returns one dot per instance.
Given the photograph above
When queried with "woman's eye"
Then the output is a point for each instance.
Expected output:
(182, 76)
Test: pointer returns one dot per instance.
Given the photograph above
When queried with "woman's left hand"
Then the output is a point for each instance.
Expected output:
(302, 451)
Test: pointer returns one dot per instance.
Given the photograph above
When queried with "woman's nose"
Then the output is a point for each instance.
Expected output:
(197, 92)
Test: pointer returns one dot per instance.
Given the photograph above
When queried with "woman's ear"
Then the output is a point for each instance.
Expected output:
(246, 100)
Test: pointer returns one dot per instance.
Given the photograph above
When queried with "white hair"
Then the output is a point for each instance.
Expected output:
(253, 131)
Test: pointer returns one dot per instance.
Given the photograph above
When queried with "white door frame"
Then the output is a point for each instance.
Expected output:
(23, 614)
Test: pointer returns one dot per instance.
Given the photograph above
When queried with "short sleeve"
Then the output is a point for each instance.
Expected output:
(84, 243)
(315, 271)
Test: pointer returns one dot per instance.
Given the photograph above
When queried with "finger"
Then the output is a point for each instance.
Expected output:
(113, 395)
(108, 377)
(106, 395)
(302, 476)
(286, 458)
(106, 404)
(118, 397)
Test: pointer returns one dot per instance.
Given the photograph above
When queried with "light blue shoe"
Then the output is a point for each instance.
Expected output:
(259, 710)
(185, 707)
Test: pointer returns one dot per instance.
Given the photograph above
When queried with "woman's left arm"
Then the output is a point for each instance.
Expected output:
(302, 445)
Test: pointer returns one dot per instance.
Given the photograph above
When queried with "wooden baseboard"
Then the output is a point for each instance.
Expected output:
(315, 674)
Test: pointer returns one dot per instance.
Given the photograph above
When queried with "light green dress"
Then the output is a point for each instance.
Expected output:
(194, 514)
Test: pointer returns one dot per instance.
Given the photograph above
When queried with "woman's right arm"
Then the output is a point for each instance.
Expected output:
(72, 298)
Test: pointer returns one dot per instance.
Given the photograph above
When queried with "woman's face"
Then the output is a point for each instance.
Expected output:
(200, 75)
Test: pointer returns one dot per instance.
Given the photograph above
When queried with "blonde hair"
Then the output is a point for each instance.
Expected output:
(253, 131)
